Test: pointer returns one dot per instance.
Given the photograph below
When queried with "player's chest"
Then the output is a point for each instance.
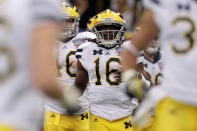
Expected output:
(104, 60)
(178, 27)
(66, 55)
(152, 68)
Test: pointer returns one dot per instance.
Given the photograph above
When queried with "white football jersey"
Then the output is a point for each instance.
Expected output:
(19, 98)
(153, 69)
(66, 72)
(107, 97)
(177, 20)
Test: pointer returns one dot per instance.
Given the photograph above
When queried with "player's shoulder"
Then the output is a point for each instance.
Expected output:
(86, 35)
(84, 49)
(140, 59)
(125, 43)
(83, 37)
(85, 45)
(88, 45)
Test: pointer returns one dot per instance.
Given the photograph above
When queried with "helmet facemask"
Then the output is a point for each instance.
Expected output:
(69, 27)
(109, 34)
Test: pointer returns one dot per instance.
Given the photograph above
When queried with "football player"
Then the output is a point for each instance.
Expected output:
(98, 60)
(56, 116)
(27, 33)
(152, 63)
(150, 72)
(175, 22)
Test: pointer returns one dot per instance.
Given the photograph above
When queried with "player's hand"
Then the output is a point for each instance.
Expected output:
(135, 86)
(146, 107)
(147, 77)
(118, 75)
(70, 101)
(74, 64)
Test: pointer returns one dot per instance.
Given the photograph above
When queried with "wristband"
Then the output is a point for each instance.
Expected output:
(130, 47)
(128, 74)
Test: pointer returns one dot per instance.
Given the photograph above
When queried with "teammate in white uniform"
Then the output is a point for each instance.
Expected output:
(99, 59)
(151, 72)
(152, 64)
(27, 33)
(176, 22)
(56, 116)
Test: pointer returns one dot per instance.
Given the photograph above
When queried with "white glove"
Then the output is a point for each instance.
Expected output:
(136, 88)
(153, 97)
(70, 101)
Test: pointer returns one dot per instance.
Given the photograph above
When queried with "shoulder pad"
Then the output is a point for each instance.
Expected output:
(85, 45)
(81, 48)
(83, 37)
(86, 35)
(125, 42)
(139, 59)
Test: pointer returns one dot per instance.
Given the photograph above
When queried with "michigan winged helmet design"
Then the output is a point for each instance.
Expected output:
(69, 14)
(109, 27)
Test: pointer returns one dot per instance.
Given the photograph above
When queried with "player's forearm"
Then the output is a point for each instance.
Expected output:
(45, 80)
(43, 60)
(129, 60)
(81, 85)
(140, 40)
(81, 79)
(52, 90)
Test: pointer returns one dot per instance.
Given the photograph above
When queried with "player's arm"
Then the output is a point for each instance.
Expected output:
(43, 60)
(44, 67)
(148, 32)
(139, 41)
(44, 37)
(140, 67)
(44, 32)
(81, 79)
